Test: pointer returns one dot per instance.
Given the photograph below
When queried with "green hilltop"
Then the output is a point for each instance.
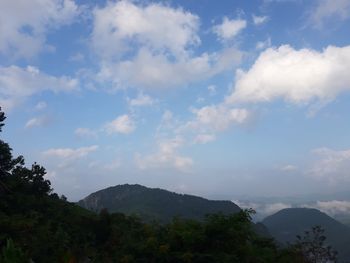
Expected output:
(154, 203)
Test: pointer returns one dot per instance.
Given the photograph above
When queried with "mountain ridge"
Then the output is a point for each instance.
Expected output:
(154, 203)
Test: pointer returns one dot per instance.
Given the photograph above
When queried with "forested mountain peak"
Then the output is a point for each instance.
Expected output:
(287, 223)
(154, 203)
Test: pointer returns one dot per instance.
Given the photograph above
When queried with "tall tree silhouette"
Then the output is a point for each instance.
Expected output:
(14, 176)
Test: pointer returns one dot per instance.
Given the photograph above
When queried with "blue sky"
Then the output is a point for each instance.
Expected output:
(220, 99)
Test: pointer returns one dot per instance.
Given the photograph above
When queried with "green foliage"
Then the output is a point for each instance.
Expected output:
(12, 254)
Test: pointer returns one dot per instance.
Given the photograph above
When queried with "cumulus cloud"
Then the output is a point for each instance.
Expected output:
(141, 100)
(123, 124)
(27, 22)
(16, 84)
(41, 105)
(166, 156)
(331, 164)
(128, 36)
(229, 29)
(37, 122)
(65, 160)
(333, 207)
(69, 153)
(263, 44)
(157, 26)
(167, 126)
(327, 9)
(216, 118)
(161, 72)
(85, 133)
(259, 20)
(64, 157)
(317, 76)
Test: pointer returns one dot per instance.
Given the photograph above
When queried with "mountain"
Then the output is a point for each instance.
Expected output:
(154, 203)
(286, 224)
(345, 221)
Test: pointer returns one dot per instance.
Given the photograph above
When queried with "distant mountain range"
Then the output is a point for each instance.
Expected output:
(154, 203)
(286, 224)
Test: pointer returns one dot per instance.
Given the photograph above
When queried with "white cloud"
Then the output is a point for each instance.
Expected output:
(168, 124)
(16, 84)
(62, 158)
(156, 26)
(166, 156)
(200, 100)
(331, 164)
(183, 163)
(326, 9)
(37, 122)
(69, 153)
(151, 46)
(210, 120)
(157, 71)
(25, 24)
(263, 44)
(204, 138)
(317, 76)
(41, 105)
(212, 90)
(270, 209)
(216, 118)
(229, 29)
(289, 168)
(122, 124)
(167, 116)
(85, 133)
(141, 100)
(333, 207)
(259, 20)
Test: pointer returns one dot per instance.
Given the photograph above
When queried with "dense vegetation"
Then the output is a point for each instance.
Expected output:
(154, 204)
(37, 225)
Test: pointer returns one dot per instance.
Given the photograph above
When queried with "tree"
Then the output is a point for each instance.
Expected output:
(14, 176)
(12, 254)
(7, 162)
(312, 247)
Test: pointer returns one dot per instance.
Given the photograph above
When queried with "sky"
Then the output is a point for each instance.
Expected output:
(215, 98)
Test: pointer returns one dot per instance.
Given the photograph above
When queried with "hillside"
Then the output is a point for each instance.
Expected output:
(286, 224)
(158, 204)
